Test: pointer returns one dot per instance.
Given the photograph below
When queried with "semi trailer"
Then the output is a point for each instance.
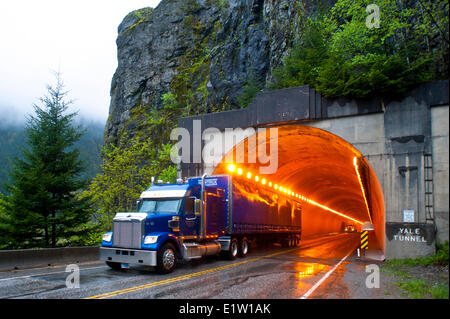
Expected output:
(202, 216)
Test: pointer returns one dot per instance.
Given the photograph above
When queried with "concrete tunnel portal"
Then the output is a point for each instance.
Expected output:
(337, 185)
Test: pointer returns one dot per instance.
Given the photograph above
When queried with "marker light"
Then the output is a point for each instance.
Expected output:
(270, 184)
(256, 178)
(231, 168)
(263, 181)
(249, 175)
(239, 171)
(276, 186)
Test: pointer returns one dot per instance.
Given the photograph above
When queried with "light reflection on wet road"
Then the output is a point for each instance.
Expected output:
(272, 272)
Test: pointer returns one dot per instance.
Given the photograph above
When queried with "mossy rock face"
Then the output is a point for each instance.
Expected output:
(135, 18)
(202, 51)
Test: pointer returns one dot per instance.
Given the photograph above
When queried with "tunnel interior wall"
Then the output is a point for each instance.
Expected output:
(317, 222)
(319, 166)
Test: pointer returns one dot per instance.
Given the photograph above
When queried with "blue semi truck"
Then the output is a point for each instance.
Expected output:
(203, 216)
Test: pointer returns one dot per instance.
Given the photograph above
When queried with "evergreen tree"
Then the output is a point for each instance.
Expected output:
(43, 207)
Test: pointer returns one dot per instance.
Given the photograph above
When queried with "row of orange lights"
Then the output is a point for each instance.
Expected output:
(233, 169)
(207, 236)
(355, 163)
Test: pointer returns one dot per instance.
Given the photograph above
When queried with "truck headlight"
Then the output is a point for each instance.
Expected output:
(150, 240)
(107, 237)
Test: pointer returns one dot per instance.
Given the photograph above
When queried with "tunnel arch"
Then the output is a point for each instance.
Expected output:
(325, 169)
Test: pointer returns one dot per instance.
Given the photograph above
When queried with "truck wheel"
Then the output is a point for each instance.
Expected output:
(114, 266)
(166, 258)
(232, 251)
(243, 247)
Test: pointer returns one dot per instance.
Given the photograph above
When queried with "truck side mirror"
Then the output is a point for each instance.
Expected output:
(197, 206)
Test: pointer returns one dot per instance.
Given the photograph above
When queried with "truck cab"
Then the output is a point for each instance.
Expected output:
(164, 228)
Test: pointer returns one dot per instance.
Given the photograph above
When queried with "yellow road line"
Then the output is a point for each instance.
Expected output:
(184, 277)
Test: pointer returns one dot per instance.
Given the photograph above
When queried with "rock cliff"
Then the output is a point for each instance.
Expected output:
(201, 51)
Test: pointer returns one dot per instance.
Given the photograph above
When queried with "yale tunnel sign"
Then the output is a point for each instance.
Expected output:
(410, 234)
(404, 237)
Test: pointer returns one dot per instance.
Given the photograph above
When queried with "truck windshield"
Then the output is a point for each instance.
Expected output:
(159, 206)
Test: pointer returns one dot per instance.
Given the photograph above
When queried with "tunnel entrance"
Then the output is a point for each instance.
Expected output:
(336, 184)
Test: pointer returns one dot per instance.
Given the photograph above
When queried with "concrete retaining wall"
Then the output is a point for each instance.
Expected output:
(28, 258)
(440, 145)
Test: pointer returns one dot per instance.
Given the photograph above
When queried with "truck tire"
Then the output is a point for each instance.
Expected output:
(232, 251)
(294, 241)
(113, 265)
(243, 247)
(166, 259)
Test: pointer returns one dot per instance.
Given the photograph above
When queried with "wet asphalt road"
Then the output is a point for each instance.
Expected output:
(324, 267)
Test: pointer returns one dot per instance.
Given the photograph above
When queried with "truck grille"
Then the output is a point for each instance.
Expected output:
(128, 233)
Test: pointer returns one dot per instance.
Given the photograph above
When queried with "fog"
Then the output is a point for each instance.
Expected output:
(76, 38)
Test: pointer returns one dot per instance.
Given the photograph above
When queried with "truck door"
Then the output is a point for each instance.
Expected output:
(215, 211)
(189, 222)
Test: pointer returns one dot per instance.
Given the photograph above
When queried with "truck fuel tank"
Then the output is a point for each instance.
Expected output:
(195, 250)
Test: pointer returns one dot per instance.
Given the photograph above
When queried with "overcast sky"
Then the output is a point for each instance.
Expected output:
(78, 37)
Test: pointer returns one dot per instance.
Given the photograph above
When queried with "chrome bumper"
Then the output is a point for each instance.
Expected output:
(128, 256)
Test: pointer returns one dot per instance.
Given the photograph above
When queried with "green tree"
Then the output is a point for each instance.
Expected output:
(126, 172)
(249, 91)
(42, 208)
(340, 55)
(302, 65)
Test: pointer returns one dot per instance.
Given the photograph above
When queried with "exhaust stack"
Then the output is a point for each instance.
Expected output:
(203, 210)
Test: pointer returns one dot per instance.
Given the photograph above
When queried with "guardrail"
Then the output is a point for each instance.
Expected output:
(28, 258)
